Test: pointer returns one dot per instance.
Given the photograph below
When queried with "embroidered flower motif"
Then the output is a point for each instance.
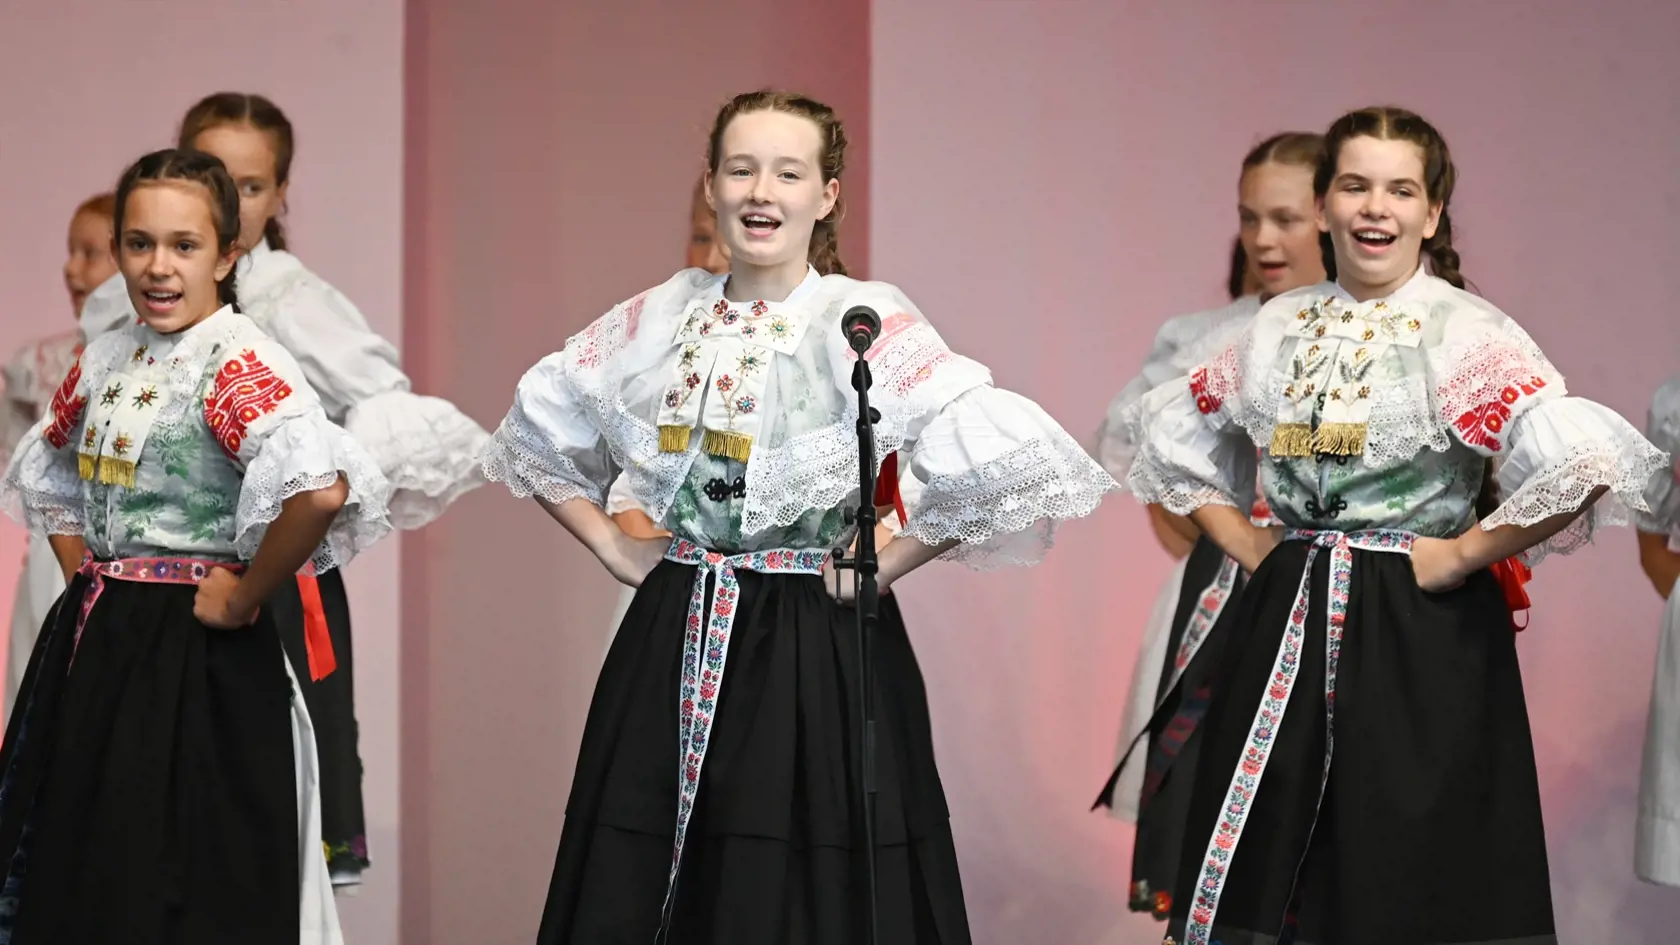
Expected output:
(146, 397)
(746, 404)
(689, 353)
(759, 307)
(139, 353)
(1414, 325)
(121, 445)
(748, 330)
(749, 363)
(731, 317)
(692, 380)
(725, 383)
(673, 398)
(111, 394)
(721, 307)
(706, 329)
(779, 327)
(88, 437)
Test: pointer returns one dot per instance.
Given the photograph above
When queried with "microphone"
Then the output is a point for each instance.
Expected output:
(860, 325)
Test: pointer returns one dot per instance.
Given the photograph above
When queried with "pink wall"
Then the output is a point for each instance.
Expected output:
(1091, 149)
(93, 84)
(552, 150)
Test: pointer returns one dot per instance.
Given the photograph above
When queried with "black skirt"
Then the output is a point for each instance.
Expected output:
(774, 850)
(1429, 827)
(148, 793)
(1171, 745)
(332, 710)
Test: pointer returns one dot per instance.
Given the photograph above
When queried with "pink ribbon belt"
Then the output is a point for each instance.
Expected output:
(705, 647)
(140, 570)
(1268, 717)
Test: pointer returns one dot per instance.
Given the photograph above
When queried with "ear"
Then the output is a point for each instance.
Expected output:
(831, 196)
(710, 200)
(1318, 215)
(281, 190)
(224, 265)
(1433, 221)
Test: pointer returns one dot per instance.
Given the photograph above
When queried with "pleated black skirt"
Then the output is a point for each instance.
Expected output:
(332, 710)
(1429, 831)
(148, 794)
(774, 849)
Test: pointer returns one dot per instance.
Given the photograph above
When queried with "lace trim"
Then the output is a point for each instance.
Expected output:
(1006, 511)
(520, 458)
(1487, 380)
(41, 490)
(427, 449)
(305, 455)
(1624, 466)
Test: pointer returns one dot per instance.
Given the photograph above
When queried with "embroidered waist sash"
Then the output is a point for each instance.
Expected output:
(1268, 717)
(705, 647)
(316, 641)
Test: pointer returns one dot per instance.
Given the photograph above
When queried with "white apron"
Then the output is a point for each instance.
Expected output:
(1656, 853)
(317, 912)
(1142, 696)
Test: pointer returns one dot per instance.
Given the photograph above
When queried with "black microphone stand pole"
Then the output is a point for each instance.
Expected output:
(865, 565)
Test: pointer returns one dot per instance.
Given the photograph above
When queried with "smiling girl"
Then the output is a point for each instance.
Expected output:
(1395, 801)
(426, 448)
(1278, 246)
(727, 402)
(157, 774)
(32, 375)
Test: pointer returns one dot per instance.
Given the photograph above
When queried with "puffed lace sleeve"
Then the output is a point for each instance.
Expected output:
(1191, 450)
(1663, 428)
(268, 420)
(997, 474)
(43, 491)
(426, 447)
(547, 446)
(17, 413)
(1499, 395)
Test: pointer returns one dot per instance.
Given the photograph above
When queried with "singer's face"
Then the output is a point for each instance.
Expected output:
(768, 189)
(1378, 214)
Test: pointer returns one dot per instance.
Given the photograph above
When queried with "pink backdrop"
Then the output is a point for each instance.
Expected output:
(1048, 181)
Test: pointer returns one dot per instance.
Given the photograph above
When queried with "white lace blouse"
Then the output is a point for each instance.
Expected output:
(1381, 414)
(427, 448)
(734, 424)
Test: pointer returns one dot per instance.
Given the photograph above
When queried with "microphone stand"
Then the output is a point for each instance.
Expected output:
(864, 564)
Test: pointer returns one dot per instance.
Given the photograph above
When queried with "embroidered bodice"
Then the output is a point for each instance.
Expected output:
(186, 445)
(734, 424)
(425, 446)
(1381, 414)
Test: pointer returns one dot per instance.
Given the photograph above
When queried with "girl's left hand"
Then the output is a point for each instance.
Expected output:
(1437, 564)
(214, 604)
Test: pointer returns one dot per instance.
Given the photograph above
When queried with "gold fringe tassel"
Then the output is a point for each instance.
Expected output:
(1340, 439)
(673, 439)
(86, 464)
(116, 472)
(1292, 439)
(735, 446)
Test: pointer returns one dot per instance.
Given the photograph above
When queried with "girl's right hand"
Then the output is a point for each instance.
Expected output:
(632, 559)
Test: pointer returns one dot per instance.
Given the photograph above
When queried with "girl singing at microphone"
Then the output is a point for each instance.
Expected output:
(727, 402)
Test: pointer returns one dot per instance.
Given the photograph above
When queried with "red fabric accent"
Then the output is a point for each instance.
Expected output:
(886, 487)
(1206, 401)
(1482, 426)
(67, 408)
(317, 641)
(1512, 575)
(246, 390)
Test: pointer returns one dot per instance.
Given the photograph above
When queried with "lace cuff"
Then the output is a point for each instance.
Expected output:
(1561, 451)
(1183, 462)
(303, 454)
(427, 449)
(42, 491)
(546, 446)
(1000, 476)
